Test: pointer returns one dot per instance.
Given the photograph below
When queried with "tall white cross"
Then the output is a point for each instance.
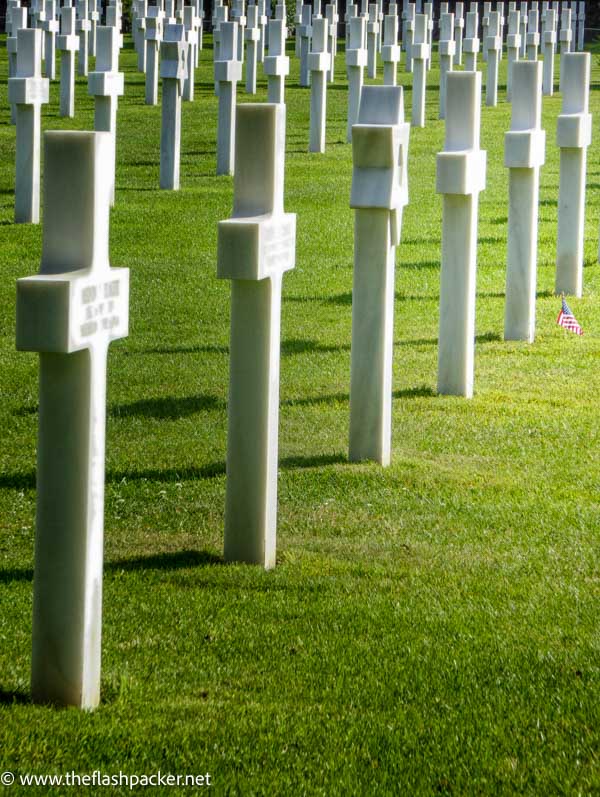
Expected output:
(68, 44)
(27, 91)
(318, 65)
(173, 63)
(356, 60)
(378, 196)
(106, 84)
(228, 70)
(460, 177)
(573, 136)
(70, 313)
(277, 63)
(524, 154)
(255, 247)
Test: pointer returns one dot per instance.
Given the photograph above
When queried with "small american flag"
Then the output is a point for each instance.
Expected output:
(567, 320)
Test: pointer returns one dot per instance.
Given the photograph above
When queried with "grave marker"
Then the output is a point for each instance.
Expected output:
(332, 18)
(277, 63)
(471, 41)
(252, 34)
(533, 37)
(50, 31)
(524, 20)
(460, 177)
(524, 153)
(318, 64)
(390, 52)
(447, 50)
(191, 36)
(255, 247)
(573, 136)
(18, 21)
(379, 194)
(409, 35)
(459, 25)
(514, 48)
(173, 60)
(68, 44)
(420, 54)
(154, 28)
(70, 313)
(228, 71)
(372, 32)
(356, 60)
(27, 90)
(493, 46)
(83, 27)
(549, 50)
(106, 84)
(581, 25)
(565, 41)
(305, 36)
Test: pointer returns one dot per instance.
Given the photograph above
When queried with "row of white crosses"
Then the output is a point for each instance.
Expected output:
(461, 176)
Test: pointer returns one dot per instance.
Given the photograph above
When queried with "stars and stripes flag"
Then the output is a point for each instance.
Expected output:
(567, 320)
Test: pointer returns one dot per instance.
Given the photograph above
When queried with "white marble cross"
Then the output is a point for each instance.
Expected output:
(191, 35)
(524, 20)
(408, 35)
(565, 40)
(173, 63)
(68, 44)
(420, 54)
(252, 34)
(390, 51)
(533, 36)
(239, 16)
(549, 44)
(51, 27)
(18, 21)
(461, 171)
(70, 313)
(356, 60)
(485, 23)
(581, 25)
(447, 51)
(154, 28)
(332, 18)
(228, 71)
(106, 84)
(83, 28)
(459, 26)
(277, 63)
(318, 64)
(471, 41)
(255, 247)
(139, 31)
(306, 32)
(222, 15)
(27, 91)
(94, 14)
(379, 194)
(524, 154)
(513, 44)
(372, 33)
(493, 47)
(573, 136)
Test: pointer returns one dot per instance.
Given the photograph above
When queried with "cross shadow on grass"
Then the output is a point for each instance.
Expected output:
(300, 346)
(11, 697)
(167, 407)
(208, 349)
(173, 560)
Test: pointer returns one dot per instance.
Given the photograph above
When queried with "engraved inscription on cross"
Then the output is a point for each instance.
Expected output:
(69, 313)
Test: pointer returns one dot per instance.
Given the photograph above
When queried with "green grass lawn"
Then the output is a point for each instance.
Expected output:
(431, 627)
